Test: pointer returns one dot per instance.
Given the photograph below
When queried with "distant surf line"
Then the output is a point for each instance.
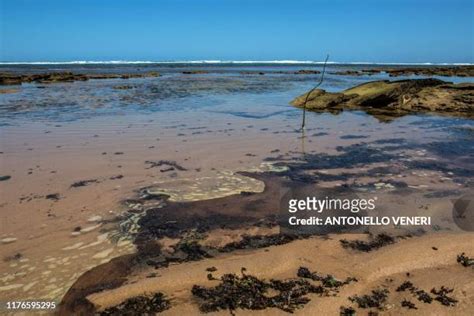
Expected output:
(221, 62)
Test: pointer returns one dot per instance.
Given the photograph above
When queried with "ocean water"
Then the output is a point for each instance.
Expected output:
(225, 88)
(225, 103)
(241, 95)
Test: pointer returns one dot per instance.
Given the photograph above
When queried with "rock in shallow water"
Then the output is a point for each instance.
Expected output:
(388, 99)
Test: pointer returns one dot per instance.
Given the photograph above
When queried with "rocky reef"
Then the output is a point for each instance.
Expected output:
(445, 71)
(52, 77)
(389, 99)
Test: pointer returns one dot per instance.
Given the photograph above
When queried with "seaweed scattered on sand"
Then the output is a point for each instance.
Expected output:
(168, 163)
(53, 196)
(83, 183)
(376, 299)
(327, 281)
(167, 169)
(140, 305)
(347, 311)
(408, 304)
(442, 296)
(210, 277)
(192, 249)
(377, 242)
(423, 296)
(14, 257)
(465, 260)
(420, 294)
(405, 286)
(5, 178)
(249, 292)
(258, 241)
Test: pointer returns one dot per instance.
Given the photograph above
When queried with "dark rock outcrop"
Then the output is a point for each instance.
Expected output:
(388, 99)
(445, 71)
(307, 72)
(52, 77)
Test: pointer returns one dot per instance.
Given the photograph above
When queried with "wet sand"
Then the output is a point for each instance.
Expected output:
(432, 250)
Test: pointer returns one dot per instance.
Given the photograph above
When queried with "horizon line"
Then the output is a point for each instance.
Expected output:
(306, 62)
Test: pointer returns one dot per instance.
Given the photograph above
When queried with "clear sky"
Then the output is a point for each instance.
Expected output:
(373, 31)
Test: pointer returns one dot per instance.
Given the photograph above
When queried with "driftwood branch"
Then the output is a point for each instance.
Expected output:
(311, 91)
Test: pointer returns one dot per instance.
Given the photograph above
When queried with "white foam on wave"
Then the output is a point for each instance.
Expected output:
(84, 62)
(125, 62)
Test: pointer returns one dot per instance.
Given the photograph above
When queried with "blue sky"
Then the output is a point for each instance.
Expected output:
(373, 31)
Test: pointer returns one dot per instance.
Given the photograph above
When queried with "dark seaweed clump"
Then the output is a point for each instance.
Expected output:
(420, 294)
(407, 285)
(249, 292)
(376, 299)
(140, 305)
(327, 281)
(379, 241)
(408, 304)
(442, 296)
(192, 249)
(465, 260)
(83, 183)
(423, 296)
(53, 196)
(347, 311)
(166, 163)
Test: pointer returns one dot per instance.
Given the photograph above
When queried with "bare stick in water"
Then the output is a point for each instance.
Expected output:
(311, 91)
